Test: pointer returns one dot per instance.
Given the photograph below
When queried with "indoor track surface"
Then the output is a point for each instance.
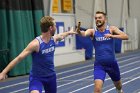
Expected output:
(78, 78)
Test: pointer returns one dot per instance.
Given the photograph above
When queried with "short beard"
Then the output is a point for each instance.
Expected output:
(100, 24)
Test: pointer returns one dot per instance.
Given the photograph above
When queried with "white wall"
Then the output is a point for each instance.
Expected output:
(132, 32)
(66, 54)
(114, 12)
(84, 12)
(69, 22)
(117, 11)
(135, 13)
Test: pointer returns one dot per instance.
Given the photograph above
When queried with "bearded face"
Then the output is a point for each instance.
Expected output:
(100, 20)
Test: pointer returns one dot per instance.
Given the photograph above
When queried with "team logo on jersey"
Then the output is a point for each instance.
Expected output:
(48, 50)
(102, 38)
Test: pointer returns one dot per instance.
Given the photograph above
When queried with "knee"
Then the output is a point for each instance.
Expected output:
(97, 90)
(34, 91)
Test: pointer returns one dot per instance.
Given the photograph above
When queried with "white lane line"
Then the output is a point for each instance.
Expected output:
(130, 58)
(122, 66)
(76, 74)
(75, 81)
(75, 69)
(19, 90)
(69, 71)
(14, 85)
(107, 78)
(123, 84)
(58, 79)
(82, 78)
(65, 72)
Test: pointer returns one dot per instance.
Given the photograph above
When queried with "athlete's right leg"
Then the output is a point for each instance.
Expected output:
(34, 91)
(98, 84)
(99, 77)
(35, 85)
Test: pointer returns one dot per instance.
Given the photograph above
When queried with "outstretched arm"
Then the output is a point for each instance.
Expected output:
(29, 49)
(116, 33)
(88, 32)
(61, 36)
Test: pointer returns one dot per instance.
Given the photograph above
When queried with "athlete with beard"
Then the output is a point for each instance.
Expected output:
(105, 61)
(42, 49)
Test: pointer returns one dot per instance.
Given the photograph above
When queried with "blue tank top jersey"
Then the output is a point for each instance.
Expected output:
(43, 61)
(104, 47)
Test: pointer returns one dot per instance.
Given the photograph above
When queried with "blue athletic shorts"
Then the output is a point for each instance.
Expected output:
(48, 83)
(101, 68)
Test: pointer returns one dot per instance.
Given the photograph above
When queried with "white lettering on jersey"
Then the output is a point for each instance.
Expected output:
(102, 38)
(48, 50)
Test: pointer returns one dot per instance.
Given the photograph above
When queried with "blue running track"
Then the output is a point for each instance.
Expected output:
(78, 78)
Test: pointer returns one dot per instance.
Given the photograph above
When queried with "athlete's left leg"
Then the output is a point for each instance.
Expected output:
(50, 85)
(118, 85)
(114, 73)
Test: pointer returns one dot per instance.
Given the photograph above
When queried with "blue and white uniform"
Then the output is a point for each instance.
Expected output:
(105, 61)
(43, 72)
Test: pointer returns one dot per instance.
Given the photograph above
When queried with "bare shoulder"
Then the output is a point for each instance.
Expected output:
(90, 31)
(33, 45)
(113, 28)
(34, 42)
